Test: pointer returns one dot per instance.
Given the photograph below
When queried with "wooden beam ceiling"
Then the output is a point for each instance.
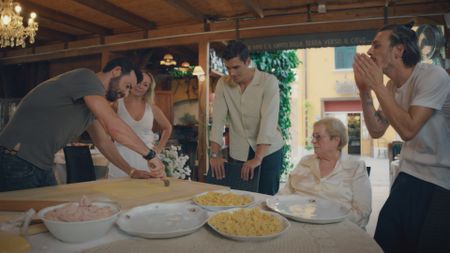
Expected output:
(55, 35)
(286, 18)
(110, 9)
(254, 8)
(187, 9)
(66, 19)
(226, 34)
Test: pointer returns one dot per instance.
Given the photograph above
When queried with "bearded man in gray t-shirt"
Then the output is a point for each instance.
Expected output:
(57, 112)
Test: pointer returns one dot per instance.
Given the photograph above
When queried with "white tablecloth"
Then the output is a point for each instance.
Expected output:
(343, 237)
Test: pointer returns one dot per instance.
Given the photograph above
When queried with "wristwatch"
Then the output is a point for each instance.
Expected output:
(214, 155)
(150, 155)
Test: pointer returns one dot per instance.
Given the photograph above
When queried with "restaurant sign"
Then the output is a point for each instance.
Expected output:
(332, 39)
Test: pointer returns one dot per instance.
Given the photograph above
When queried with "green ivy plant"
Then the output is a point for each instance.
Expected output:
(307, 106)
(180, 73)
(281, 64)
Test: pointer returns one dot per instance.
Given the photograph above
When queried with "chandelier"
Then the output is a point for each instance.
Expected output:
(12, 31)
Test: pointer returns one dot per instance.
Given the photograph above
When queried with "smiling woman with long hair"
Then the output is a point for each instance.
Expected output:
(139, 111)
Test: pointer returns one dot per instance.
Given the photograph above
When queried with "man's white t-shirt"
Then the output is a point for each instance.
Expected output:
(427, 155)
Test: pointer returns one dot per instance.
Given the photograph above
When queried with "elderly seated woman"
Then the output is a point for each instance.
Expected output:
(330, 174)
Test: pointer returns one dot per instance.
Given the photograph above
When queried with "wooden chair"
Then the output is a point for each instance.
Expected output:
(79, 164)
(233, 178)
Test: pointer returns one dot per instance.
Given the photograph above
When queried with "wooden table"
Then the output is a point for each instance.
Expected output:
(125, 191)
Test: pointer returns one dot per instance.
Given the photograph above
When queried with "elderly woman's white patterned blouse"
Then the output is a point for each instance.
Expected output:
(348, 184)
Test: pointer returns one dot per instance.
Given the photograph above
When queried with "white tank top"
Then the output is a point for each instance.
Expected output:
(142, 127)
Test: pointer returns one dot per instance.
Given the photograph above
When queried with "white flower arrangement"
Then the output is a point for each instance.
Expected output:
(175, 162)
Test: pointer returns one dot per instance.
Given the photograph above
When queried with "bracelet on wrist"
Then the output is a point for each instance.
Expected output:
(215, 155)
(131, 172)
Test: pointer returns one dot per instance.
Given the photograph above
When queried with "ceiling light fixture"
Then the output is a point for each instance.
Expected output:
(185, 66)
(12, 31)
(199, 72)
(168, 60)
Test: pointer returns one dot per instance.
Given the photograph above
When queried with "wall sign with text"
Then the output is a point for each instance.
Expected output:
(334, 39)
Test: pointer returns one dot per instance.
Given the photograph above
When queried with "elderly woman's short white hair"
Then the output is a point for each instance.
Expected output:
(334, 128)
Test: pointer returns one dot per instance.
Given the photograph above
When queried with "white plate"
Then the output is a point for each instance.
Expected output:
(162, 220)
(307, 209)
(285, 222)
(221, 208)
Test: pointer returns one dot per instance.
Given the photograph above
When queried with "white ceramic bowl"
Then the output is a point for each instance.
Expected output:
(80, 231)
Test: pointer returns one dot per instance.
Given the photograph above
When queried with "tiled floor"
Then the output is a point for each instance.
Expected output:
(379, 178)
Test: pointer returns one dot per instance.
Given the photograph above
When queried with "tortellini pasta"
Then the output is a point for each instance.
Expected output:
(223, 199)
(246, 222)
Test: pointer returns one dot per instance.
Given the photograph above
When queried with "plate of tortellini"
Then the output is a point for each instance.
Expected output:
(223, 200)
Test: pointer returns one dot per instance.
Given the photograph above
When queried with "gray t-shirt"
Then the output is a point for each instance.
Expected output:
(51, 115)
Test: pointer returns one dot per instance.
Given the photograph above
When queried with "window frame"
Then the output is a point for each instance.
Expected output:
(348, 55)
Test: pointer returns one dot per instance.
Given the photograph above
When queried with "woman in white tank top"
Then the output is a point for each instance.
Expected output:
(139, 111)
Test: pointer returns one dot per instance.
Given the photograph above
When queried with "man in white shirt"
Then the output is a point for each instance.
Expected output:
(250, 99)
(415, 102)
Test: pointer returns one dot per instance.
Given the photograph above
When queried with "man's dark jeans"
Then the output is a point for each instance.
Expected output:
(17, 174)
(415, 217)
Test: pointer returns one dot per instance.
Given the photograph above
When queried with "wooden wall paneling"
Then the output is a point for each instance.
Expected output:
(203, 112)
(18, 80)
(164, 100)
(18, 52)
(125, 37)
(59, 66)
(108, 55)
(105, 56)
(84, 42)
(50, 48)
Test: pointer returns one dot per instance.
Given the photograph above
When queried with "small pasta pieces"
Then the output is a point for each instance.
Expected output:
(223, 199)
(247, 223)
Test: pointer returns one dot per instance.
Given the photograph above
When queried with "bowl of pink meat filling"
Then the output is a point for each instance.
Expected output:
(80, 222)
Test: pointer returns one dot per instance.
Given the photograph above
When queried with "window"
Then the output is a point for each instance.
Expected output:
(343, 57)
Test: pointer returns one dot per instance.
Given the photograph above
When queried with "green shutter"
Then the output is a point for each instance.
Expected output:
(343, 57)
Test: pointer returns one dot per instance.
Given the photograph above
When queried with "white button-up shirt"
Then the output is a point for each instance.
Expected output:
(252, 114)
(347, 184)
